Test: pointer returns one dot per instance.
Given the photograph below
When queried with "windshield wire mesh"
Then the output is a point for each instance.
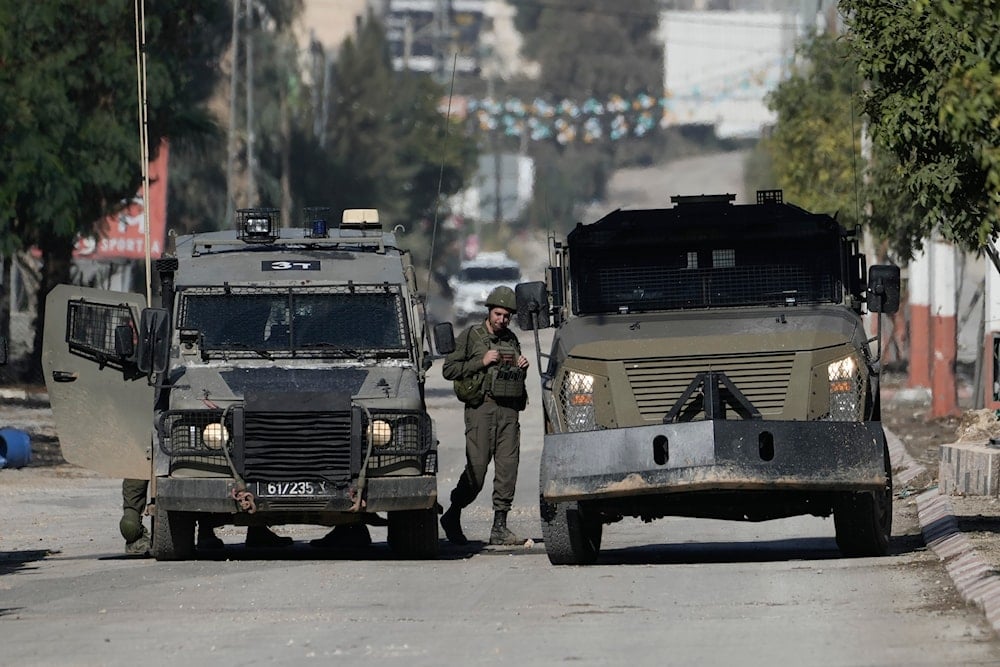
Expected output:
(610, 281)
(90, 329)
(348, 320)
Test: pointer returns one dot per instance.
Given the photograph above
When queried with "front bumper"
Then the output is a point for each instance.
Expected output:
(713, 455)
(216, 495)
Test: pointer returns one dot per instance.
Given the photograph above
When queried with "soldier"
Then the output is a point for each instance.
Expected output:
(488, 370)
(133, 507)
(134, 492)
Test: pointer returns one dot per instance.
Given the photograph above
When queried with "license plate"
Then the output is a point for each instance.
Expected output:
(287, 489)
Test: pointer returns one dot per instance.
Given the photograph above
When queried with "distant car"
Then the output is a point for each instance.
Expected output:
(474, 280)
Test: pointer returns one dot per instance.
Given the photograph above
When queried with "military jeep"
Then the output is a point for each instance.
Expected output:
(279, 380)
(711, 360)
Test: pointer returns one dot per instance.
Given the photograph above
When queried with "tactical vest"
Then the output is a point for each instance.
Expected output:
(504, 379)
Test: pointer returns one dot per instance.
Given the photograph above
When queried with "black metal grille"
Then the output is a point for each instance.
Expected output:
(182, 436)
(298, 446)
(658, 383)
(698, 257)
(639, 288)
(412, 438)
(90, 328)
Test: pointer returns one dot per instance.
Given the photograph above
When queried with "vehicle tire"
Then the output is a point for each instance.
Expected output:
(173, 535)
(413, 534)
(571, 537)
(863, 520)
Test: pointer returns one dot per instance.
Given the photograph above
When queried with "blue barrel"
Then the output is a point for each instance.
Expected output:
(15, 448)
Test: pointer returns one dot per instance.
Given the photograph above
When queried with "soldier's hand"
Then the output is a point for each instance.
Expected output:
(522, 361)
(491, 357)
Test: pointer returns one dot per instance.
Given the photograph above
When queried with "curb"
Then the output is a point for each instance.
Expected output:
(975, 581)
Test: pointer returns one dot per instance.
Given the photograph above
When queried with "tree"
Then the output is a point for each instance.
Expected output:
(386, 127)
(69, 112)
(933, 98)
(815, 142)
(814, 150)
(597, 48)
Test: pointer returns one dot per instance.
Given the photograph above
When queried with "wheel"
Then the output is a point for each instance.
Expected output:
(173, 535)
(571, 537)
(413, 534)
(863, 520)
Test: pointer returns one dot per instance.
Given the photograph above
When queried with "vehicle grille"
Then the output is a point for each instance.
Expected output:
(658, 383)
(296, 446)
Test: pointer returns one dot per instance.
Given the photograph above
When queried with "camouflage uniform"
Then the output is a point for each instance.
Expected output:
(492, 430)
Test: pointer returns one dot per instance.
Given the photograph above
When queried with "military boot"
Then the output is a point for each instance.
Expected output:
(138, 546)
(135, 534)
(451, 521)
(501, 534)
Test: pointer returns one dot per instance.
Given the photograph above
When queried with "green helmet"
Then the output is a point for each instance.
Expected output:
(502, 297)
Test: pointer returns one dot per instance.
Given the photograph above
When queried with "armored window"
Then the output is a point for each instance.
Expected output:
(704, 268)
(90, 328)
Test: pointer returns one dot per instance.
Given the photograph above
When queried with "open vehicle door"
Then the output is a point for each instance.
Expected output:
(101, 402)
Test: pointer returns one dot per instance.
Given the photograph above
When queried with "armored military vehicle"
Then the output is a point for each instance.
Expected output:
(279, 380)
(711, 360)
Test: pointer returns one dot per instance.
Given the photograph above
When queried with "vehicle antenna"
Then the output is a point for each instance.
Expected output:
(854, 157)
(437, 208)
(140, 67)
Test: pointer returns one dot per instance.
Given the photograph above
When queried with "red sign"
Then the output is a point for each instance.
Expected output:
(122, 235)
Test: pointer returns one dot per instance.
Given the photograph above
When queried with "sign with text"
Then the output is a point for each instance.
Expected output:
(122, 235)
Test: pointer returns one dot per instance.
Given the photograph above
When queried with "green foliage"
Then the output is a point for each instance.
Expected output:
(387, 132)
(597, 48)
(815, 155)
(814, 144)
(934, 102)
(588, 49)
(69, 109)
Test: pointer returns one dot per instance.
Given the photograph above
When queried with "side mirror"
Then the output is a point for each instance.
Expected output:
(154, 340)
(532, 306)
(444, 338)
(883, 289)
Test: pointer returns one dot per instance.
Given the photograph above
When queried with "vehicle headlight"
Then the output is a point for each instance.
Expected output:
(577, 395)
(215, 435)
(379, 433)
(846, 389)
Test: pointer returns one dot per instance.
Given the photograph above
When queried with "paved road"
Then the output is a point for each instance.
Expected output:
(671, 592)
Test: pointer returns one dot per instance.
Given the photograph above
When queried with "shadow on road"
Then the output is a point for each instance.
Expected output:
(757, 551)
(14, 561)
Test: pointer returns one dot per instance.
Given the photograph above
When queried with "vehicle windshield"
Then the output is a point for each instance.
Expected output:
(343, 321)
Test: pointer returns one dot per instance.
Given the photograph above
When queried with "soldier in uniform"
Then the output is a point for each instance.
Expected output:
(133, 507)
(488, 370)
(134, 492)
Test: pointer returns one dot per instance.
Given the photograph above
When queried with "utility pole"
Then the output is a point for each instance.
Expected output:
(407, 42)
(252, 195)
(231, 141)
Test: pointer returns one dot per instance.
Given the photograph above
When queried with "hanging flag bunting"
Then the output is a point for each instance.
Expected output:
(618, 117)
